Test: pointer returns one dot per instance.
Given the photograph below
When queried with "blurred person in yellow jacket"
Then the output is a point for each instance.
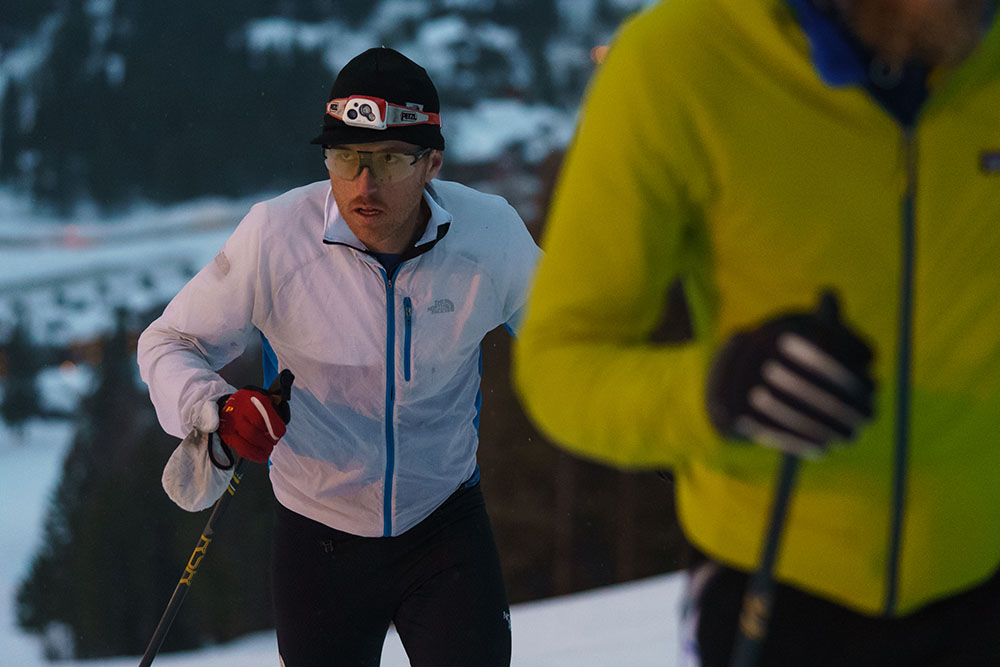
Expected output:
(761, 153)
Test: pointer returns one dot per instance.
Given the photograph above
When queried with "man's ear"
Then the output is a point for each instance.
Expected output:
(436, 159)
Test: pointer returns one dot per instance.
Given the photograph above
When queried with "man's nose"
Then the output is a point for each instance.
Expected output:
(366, 180)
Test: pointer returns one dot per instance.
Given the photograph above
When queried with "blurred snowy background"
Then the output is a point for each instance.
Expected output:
(133, 138)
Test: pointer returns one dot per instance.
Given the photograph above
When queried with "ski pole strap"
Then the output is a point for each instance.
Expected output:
(230, 460)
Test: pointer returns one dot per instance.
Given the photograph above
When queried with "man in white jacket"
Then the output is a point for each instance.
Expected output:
(375, 289)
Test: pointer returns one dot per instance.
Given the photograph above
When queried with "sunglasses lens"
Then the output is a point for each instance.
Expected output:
(391, 166)
(385, 167)
(343, 164)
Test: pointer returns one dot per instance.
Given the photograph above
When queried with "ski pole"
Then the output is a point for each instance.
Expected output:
(280, 393)
(191, 568)
(759, 598)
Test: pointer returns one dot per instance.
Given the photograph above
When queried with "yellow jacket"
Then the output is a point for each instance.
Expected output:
(711, 150)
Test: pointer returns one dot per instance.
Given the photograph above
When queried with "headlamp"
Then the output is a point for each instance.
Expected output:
(377, 114)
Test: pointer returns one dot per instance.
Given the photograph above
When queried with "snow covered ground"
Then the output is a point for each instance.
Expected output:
(633, 624)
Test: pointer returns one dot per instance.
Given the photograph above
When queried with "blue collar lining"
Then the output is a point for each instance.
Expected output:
(842, 60)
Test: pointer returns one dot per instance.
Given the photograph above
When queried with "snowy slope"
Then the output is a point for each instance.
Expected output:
(633, 624)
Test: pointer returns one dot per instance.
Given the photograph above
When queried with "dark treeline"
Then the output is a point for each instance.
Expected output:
(169, 101)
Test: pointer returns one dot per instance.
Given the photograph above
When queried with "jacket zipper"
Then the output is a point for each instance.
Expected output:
(903, 372)
(408, 318)
(390, 398)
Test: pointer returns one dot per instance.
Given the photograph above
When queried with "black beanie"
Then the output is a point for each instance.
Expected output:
(386, 73)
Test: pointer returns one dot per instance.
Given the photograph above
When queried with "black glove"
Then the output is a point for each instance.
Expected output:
(798, 382)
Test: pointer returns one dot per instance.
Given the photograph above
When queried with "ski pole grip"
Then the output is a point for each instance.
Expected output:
(828, 310)
(281, 389)
(280, 393)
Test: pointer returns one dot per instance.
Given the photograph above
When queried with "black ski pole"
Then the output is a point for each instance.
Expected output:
(192, 567)
(759, 598)
(758, 601)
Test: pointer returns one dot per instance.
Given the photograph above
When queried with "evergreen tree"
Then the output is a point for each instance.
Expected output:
(21, 399)
(21, 19)
(537, 21)
(354, 13)
(115, 546)
(10, 127)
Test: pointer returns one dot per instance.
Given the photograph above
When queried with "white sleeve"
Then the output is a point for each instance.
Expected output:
(521, 255)
(204, 327)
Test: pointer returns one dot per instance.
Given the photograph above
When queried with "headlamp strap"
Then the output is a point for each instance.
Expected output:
(390, 115)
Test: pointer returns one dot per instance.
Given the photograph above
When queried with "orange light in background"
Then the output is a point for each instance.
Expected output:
(599, 53)
(72, 237)
(67, 368)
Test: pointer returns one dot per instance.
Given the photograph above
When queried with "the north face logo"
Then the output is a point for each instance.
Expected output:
(442, 306)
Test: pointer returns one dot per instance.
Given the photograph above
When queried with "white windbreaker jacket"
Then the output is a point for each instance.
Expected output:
(385, 405)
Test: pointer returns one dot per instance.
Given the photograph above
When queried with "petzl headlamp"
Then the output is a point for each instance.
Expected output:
(377, 114)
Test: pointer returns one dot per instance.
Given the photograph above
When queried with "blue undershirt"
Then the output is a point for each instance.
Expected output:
(389, 260)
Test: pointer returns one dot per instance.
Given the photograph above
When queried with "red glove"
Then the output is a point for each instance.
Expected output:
(250, 424)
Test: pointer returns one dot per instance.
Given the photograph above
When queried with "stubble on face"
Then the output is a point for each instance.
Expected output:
(933, 32)
(386, 217)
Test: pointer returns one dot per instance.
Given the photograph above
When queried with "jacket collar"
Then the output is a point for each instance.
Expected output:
(836, 56)
(336, 231)
(842, 60)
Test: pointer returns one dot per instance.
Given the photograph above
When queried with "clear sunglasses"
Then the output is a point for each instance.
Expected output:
(347, 164)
